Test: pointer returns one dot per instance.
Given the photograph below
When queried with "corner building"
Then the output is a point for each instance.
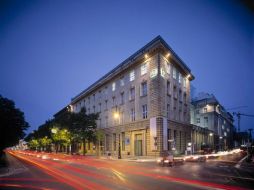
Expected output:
(143, 103)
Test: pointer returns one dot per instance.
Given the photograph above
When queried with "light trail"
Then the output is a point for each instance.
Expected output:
(115, 167)
(8, 185)
(73, 181)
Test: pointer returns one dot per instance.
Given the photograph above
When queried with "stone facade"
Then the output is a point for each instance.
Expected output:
(143, 103)
(208, 113)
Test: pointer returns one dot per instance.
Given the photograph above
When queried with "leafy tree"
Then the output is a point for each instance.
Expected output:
(33, 144)
(99, 138)
(61, 137)
(84, 126)
(12, 124)
(45, 143)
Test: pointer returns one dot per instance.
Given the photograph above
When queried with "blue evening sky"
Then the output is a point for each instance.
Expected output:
(50, 50)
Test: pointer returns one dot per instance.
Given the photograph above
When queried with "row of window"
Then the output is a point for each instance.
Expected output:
(205, 120)
(204, 110)
(176, 74)
(143, 71)
(177, 94)
(120, 116)
(143, 92)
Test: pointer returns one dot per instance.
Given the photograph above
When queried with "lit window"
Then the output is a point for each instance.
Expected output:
(163, 72)
(180, 78)
(133, 114)
(143, 89)
(205, 110)
(168, 68)
(184, 82)
(132, 75)
(153, 73)
(122, 81)
(144, 111)
(113, 86)
(143, 69)
(174, 73)
(132, 93)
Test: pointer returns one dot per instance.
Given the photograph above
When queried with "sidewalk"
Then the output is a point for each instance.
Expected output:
(13, 166)
(136, 158)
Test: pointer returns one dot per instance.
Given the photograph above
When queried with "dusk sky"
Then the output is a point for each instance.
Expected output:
(52, 50)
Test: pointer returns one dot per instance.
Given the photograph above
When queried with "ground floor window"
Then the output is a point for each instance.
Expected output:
(123, 141)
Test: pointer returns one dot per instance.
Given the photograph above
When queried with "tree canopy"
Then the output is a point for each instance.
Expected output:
(12, 123)
(66, 129)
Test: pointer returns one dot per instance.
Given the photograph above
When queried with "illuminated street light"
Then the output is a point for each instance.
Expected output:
(211, 134)
(54, 130)
(116, 115)
(168, 54)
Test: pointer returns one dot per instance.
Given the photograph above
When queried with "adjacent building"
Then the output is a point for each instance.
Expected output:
(143, 103)
(208, 113)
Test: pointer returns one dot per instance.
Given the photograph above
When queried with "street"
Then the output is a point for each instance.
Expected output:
(51, 171)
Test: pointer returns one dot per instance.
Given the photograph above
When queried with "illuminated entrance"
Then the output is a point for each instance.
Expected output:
(138, 145)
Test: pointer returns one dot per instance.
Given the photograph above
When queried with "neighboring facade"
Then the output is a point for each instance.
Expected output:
(143, 103)
(208, 113)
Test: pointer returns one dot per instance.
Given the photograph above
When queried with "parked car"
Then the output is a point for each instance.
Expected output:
(167, 159)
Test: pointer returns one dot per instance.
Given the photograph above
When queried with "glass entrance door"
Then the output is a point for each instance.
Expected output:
(138, 145)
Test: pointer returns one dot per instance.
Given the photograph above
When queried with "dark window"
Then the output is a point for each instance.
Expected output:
(132, 93)
(143, 89)
(144, 110)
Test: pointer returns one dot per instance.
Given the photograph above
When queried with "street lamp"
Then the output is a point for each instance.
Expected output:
(116, 117)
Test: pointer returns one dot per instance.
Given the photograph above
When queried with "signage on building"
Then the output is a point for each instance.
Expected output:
(153, 133)
(165, 135)
(127, 140)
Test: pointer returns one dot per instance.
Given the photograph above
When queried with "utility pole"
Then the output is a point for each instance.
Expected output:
(250, 137)
(238, 115)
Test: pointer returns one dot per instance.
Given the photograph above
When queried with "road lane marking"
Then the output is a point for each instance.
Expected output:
(238, 165)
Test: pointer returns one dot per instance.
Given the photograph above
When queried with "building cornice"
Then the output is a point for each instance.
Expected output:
(157, 44)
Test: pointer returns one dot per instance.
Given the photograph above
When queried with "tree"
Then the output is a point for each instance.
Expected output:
(45, 143)
(84, 126)
(12, 124)
(33, 144)
(99, 138)
(61, 137)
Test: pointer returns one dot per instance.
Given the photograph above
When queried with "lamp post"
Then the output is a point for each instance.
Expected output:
(117, 118)
(54, 131)
(211, 140)
(221, 143)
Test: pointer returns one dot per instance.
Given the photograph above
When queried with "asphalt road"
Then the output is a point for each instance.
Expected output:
(76, 172)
